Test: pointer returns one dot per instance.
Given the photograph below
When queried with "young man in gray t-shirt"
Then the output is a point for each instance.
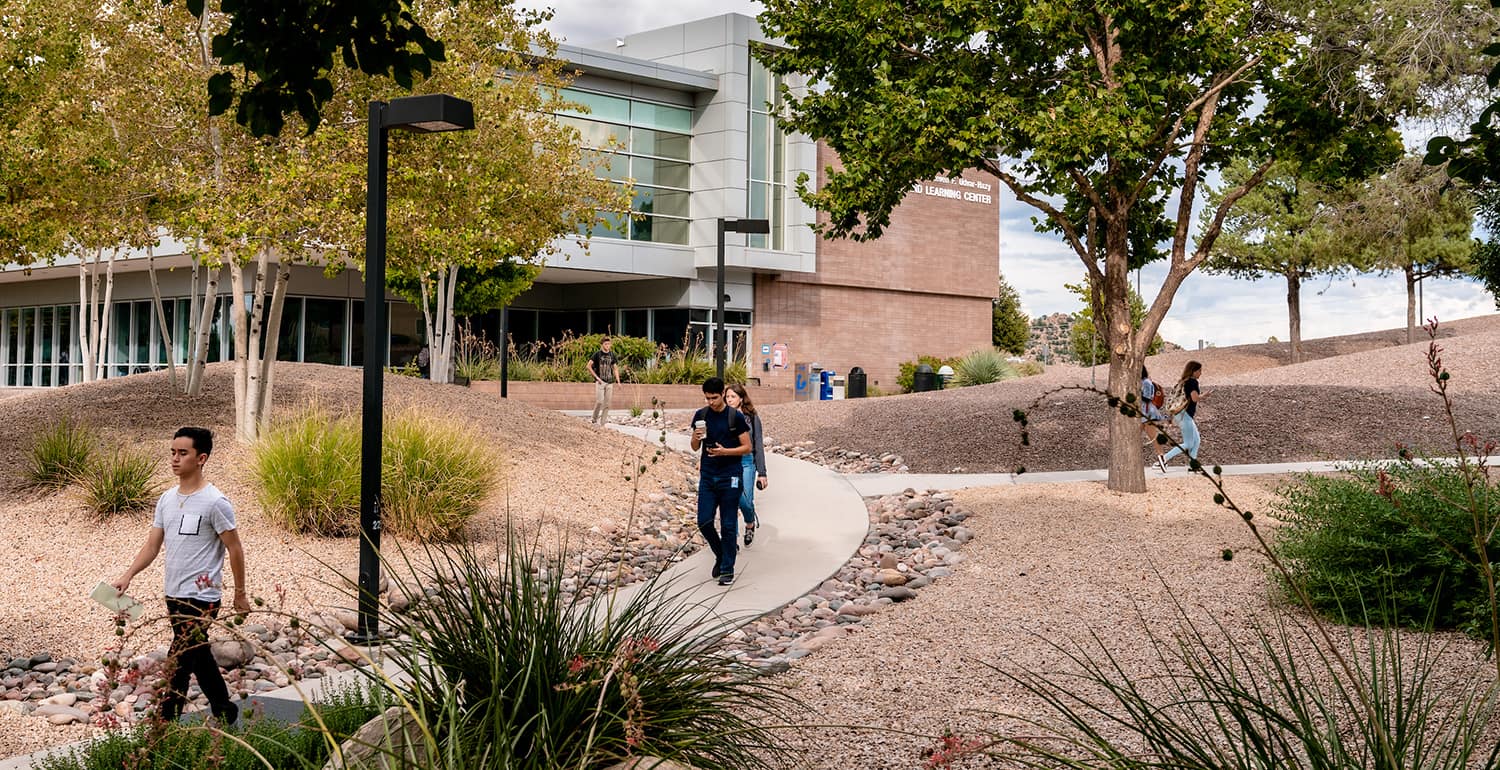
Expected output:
(195, 523)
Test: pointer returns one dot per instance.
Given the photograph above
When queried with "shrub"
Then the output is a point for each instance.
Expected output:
(909, 369)
(60, 453)
(1029, 368)
(982, 367)
(475, 357)
(512, 671)
(436, 476)
(307, 471)
(267, 743)
(120, 482)
(634, 352)
(1343, 540)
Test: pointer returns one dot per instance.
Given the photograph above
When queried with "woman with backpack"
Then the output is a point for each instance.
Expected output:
(1153, 397)
(753, 470)
(1184, 411)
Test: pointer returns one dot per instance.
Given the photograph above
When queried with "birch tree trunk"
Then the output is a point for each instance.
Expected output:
(161, 316)
(85, 322)
(1411, 302)
(199, 358)
(95, 322)
(261, 406)
(106, 312)
(427, 319)
(449, 320)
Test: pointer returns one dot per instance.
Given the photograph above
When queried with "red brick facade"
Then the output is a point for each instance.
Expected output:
(923, 287)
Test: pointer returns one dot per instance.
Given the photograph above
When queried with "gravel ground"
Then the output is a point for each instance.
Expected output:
(1048, 564)
(560, 477)
(1352, 406)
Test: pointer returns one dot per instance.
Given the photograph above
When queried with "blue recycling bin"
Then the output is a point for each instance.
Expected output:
(825, 385)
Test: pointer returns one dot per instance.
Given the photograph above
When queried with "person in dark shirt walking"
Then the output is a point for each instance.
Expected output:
(604, 367)
(1185, 413)
(723, 436)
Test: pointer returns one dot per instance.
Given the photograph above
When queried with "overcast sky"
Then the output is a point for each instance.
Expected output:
(1217, 310)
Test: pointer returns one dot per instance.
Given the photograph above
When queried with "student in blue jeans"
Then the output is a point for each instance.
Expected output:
(723, 437)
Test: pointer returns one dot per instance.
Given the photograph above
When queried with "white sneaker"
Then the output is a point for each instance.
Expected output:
(1161, 463)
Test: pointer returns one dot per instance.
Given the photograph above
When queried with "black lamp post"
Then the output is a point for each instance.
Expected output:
(749, 227)
(422, 114)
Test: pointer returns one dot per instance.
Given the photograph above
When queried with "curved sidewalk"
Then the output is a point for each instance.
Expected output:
(812, 522)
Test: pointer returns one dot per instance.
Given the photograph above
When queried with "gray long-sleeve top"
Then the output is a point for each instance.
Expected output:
(758, 443)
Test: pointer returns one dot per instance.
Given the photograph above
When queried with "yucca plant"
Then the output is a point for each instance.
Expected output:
(510, 671)
(436, 476)
(1230, 705)
(120, 482)
(60, 453)
(982, 367)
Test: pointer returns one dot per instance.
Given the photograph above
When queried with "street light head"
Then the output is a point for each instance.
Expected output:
(748, 226)
(430, 113)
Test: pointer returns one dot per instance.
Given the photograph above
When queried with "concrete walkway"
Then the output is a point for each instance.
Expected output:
(871, 484)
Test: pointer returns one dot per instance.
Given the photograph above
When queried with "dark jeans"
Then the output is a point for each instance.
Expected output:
(190, 655)
(721, 494)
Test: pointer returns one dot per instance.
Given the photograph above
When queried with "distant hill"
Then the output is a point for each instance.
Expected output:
(1050, 342)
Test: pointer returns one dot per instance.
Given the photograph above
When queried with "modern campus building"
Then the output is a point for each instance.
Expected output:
(687, 109)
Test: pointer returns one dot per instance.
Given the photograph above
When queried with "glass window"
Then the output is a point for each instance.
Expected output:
(671, 326)
(760, 155)
(634, 322)
(290, 332)
(737, 317)
(592, 133)
(662, 173)
(610, 224)
(140, 342)
(357, 332)
(522, 326)
(602, 322)
(599, 106)
(760, 84)
(649, 200)
(168, 312)
(665, 230)
(608, 165)
(554, 325)
(647, 142)
(661, 116)
(64, 345)
(700, 315)
(324, 327)
(407, 331)
(119, 335)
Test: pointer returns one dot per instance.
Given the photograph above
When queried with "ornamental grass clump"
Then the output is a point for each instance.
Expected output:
(119, 483)
(437, 474)
(509, 670)
(60, 453)
(306, 469)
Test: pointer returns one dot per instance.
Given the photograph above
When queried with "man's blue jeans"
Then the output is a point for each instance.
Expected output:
(721, 495)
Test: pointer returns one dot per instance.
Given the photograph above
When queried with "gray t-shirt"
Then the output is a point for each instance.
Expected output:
(194, 554)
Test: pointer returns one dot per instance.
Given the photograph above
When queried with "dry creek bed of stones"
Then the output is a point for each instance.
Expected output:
(914, 539)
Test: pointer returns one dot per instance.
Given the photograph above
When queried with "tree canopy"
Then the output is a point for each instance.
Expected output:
(1010, 328)
(1104, 116)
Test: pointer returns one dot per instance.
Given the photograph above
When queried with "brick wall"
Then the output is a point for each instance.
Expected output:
(923, 287)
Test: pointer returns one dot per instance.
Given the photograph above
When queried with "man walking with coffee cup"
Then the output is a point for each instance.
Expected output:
(724, 437)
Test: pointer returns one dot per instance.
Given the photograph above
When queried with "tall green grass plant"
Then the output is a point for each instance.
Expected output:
(60, 453)
(121, 482)
(982, 367)
(437, 474)
(306, 470)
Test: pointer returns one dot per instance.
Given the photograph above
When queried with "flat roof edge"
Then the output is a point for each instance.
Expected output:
(595, 62)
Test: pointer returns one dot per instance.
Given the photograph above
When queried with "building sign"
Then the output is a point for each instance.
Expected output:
(966, 190)
(779, 356)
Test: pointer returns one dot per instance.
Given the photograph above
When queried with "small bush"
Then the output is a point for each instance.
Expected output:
(982, 367)
(436, 476)
(634, 352)
(475, 357)
(119, 483)
(909, 369)
(1029, 368)
(279, 745)
(307, 471)
(60, 453)
(1343, 540)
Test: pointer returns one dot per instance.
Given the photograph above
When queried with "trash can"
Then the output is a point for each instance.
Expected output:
(840, 384)
(924, 379)
(857, 383)
(825, 385)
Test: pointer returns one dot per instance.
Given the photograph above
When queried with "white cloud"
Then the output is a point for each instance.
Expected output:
(588, 21)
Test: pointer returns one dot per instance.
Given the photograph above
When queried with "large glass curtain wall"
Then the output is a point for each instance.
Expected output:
(648, 144)
(767, 156)
(39, 345)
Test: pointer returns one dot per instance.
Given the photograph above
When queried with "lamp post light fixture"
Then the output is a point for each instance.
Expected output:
(749, 227)
(430, 113)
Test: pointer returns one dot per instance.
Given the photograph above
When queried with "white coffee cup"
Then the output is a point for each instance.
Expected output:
(700, 424)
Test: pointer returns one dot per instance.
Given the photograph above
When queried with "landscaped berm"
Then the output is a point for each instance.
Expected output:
(977, 630)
